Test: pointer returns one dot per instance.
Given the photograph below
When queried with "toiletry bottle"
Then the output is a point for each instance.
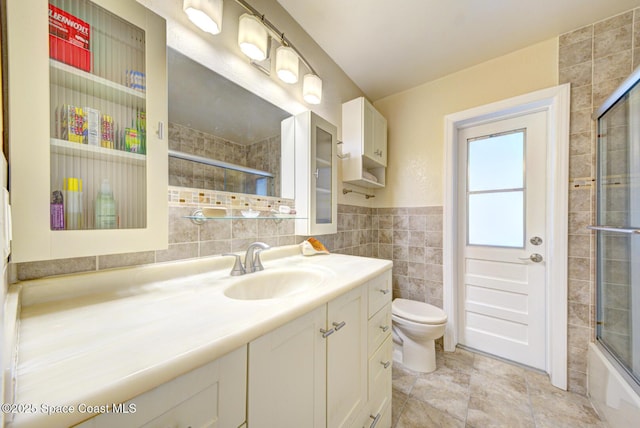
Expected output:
(73, 203)
(57, 210)
(105, 207)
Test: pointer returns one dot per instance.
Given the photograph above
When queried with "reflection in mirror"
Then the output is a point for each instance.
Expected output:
(212, 118)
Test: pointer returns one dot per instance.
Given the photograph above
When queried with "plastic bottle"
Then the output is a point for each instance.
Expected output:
(105, 207)
(73, 203)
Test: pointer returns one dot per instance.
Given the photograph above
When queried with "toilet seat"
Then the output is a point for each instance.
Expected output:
(418, 312)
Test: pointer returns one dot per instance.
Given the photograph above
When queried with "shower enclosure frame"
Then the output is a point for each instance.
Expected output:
(618, 229)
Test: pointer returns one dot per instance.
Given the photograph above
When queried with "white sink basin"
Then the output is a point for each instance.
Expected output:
(273, 284)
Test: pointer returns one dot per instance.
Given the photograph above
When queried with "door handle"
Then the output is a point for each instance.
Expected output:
(536, 240)
(535, 257)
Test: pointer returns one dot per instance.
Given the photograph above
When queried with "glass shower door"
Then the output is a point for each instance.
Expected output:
(618, 231)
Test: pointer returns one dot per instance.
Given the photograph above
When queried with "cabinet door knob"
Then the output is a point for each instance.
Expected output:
(385, 364)
(384, 328)
(339, 325)
(384, 290)
(327, 333)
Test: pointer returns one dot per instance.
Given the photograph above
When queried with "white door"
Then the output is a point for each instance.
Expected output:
(501, 224)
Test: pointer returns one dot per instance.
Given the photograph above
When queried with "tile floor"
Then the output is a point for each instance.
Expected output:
(476, 391)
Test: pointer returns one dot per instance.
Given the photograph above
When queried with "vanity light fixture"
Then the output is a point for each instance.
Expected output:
(287, 57)
(205, 14)
(254, 31)
(252, 37)
(312, 89)
(287, 64)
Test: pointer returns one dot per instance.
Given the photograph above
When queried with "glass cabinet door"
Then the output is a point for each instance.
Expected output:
(98, 118)
(101, 163)
(323, 172)
(324, 181)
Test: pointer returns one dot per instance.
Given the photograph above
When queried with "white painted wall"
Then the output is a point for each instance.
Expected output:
(416, 118)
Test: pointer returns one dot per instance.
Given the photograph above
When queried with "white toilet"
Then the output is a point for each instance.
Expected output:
(416, 325)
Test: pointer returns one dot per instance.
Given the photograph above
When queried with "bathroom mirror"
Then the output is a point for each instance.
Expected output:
(215, 119)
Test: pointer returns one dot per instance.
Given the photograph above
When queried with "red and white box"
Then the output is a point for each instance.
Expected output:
(69, 39)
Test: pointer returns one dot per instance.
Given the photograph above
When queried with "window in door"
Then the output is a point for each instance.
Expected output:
(496, 190)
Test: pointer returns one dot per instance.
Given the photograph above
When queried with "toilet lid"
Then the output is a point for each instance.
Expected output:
(418, 311)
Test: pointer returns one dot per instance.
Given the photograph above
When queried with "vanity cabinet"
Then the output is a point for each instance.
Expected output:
(312, 372)
(377, 412)
(364, 138)
(312, 176)
(328, 368)
(212, 396)
(87, 102)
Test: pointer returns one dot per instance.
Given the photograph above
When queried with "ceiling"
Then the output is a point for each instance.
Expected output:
(386, 46)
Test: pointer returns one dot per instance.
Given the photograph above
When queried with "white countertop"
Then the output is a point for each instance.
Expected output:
(109, 336)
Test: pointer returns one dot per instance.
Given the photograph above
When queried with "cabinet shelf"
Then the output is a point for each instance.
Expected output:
(68, 148)
(363, 182)
(239, 217)
(75, 79)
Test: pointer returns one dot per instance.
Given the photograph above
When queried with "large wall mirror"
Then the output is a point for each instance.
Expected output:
(214, 121)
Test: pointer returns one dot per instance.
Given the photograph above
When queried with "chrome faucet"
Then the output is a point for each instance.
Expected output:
(252, 262)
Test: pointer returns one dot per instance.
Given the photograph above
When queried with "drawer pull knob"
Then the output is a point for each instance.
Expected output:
(384, 328)
(327, 333)
(385, 364)
(339, 325)
(376, 419)
(385, 290)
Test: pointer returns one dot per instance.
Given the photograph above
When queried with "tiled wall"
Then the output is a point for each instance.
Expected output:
(412, 238)
(595, 59)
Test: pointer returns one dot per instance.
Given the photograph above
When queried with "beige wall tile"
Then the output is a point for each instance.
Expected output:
(575, 36)
(612, 41)
(128, 259)
(613, 23)
(576, 53)
(577, 75)
(35, 270)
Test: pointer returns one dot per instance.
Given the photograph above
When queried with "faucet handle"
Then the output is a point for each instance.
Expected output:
(237, 269)
(257, 263)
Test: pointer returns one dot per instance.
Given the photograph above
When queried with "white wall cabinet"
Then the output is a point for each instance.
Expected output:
(364, 138)
(312, 177)
(116, 84)
(312, 372)
(212, 396)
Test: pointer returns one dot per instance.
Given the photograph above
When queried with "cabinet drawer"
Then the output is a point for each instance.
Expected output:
(379, 292)
(379, 328)
(383, 414)
(380, 375)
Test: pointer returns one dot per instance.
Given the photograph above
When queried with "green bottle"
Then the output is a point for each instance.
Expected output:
(105, 207)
